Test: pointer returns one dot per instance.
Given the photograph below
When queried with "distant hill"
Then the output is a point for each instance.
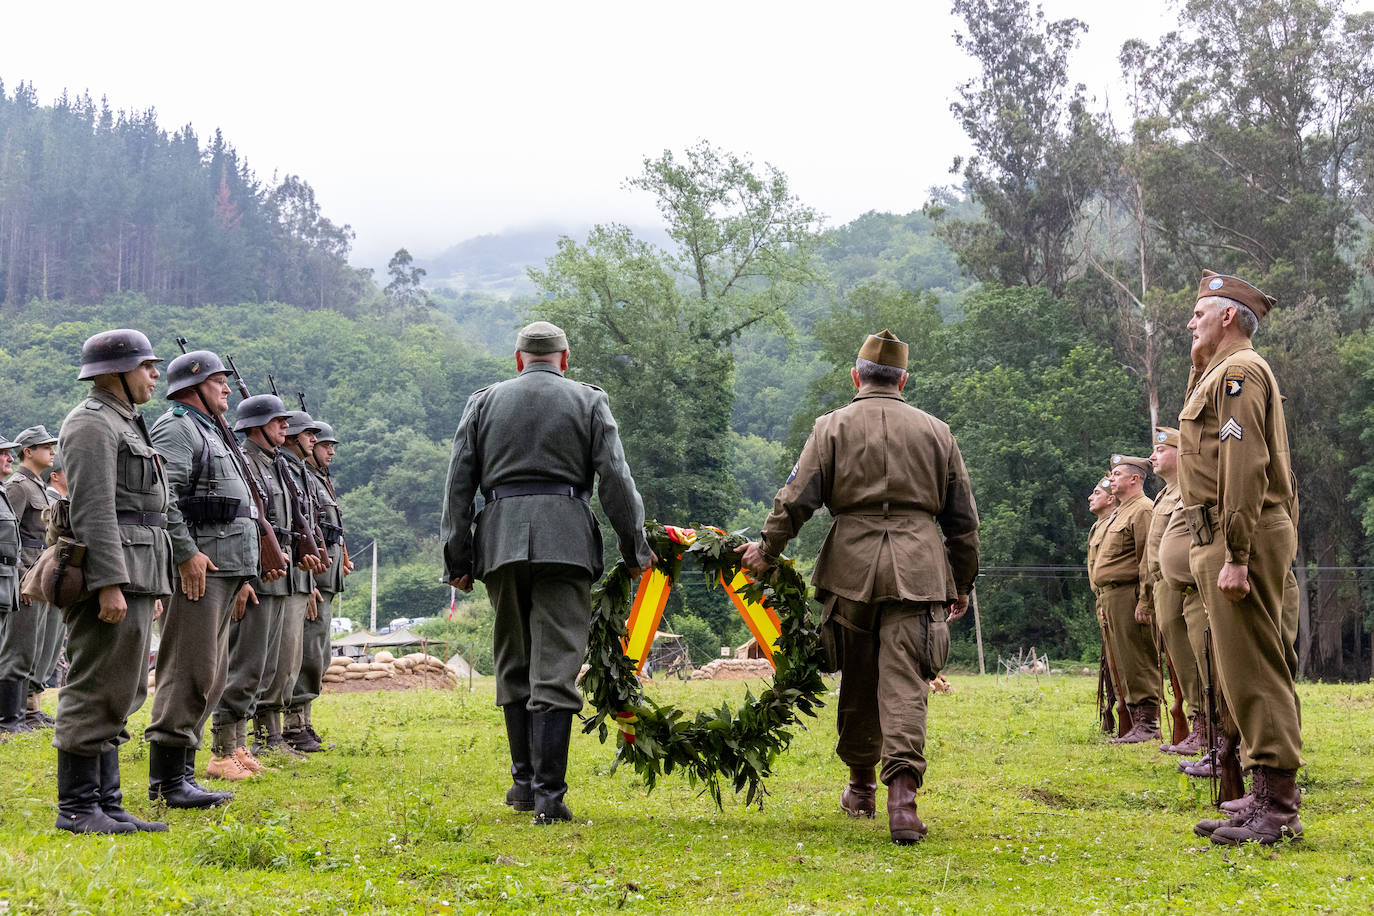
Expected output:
(496, 263)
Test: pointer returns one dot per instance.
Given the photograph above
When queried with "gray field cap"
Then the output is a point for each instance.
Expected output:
(541, 337)
(35, 436)
(6, 444)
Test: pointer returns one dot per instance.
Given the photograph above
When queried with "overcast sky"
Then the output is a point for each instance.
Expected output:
(422, 124)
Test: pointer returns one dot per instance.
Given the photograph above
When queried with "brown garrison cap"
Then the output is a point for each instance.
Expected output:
(1105, 484)
(1215, 284)
(541, 337)
(1166, 435)
(884, 349)
(1140, 464)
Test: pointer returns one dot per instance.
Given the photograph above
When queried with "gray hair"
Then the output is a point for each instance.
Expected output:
(1245, 317)
(872, 373)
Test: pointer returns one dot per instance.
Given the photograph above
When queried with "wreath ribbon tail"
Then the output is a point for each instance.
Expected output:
(761, 619)
(645, 615)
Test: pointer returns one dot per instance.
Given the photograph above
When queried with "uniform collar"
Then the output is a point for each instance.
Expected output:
(252, 444)
(1226, 352)
(541, 367)
(1120, 506)
(121, 406)
(21, 471)
(196, 412)
(873, 391)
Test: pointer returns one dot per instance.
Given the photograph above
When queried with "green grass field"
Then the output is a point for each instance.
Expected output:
(1029, 811)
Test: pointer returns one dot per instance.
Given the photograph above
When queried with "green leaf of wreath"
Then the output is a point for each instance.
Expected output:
(738, 746)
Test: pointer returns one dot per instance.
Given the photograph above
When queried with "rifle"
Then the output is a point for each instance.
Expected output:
(1123, 711)
(1106, 695)
(270, 557)
(329, 484)
(1180, 721)
(1228, 781)
(303, 538)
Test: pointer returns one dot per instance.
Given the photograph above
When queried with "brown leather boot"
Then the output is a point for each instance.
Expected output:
(860, 798)
(1230, 814)
(903, 823)
(1190, 745)
(1274, 815)
(1144, 724)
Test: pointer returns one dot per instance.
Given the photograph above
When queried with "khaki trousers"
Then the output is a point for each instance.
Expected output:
(108, 679)
(252, 658)
(315, 652)
(192, 661)
(1174, 629)
(543, 618)
(1250, 636)
(888, 652)
(276, 693)
(1133, 645)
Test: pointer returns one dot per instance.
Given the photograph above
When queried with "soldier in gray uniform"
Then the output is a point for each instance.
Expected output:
(215, 548)
(303, 601)
(32, 634)
(56, 480)
(255, 625)
(532, 445)
(119, 511)
(298, 730)
(11, 689)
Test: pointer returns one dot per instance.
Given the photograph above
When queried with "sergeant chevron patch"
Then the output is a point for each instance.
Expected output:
(1232, 430)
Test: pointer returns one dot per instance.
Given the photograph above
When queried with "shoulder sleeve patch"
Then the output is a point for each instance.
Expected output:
(1234, 381)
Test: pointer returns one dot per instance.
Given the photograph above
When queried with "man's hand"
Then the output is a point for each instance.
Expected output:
(957, 608)
(347, 566)
(1143, 614)
(272, 575)
(1234, 581)
(113, 607)
(637, 571)
(157, 609)
(312, 605)
(462, 583)
(245, 595)
(193, 575)
(752, 558)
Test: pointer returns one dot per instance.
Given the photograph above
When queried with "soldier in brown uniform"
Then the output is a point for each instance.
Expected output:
(119, 503)
(1121, 577)
(1237, 489)
(899, 563)
(1168, 602)
(1101, 503)
(32, 634)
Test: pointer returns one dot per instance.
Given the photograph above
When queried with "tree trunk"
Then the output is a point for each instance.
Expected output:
(1304, 615)
(1330, 617)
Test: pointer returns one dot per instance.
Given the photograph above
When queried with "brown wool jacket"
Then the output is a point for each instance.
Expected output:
(905, 523)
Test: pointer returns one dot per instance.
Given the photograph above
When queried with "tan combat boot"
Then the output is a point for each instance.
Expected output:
(241, 752)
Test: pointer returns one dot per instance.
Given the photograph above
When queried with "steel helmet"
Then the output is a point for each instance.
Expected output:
(115, 351)
(190, 369)
(299, 421)
(326, 433)
(258, 410)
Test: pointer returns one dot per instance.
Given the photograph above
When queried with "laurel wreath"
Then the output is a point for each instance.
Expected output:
(723, 744)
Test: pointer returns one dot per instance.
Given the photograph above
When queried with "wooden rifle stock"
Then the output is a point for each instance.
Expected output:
(1180, 721)
(1223, 737)
(302, 526)
(1106, 695)
(1123, 711)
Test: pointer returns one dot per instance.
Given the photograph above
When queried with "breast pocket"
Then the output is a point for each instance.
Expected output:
(1190, 426)
(138, 470)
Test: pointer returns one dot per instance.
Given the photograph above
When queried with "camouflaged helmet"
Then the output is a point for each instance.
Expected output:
(117, 351)
(298, 422)
(190, 369)
(326, 433)
(259, 410)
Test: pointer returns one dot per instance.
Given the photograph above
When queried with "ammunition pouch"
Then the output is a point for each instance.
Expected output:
(57, 576)
(1202, 523)
(333, 534)
(213, 510)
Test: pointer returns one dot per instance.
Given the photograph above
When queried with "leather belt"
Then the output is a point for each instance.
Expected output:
(9, 561)
(536, 489)
(135, 518)
(1108, 586)
(281, 533)
(31, 542)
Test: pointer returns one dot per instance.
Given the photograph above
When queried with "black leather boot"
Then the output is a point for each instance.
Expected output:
(188, 775)
(518, 725)
(552, 734)
(167, 779)
(112, 798)
(12, 696)
(78, 797)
